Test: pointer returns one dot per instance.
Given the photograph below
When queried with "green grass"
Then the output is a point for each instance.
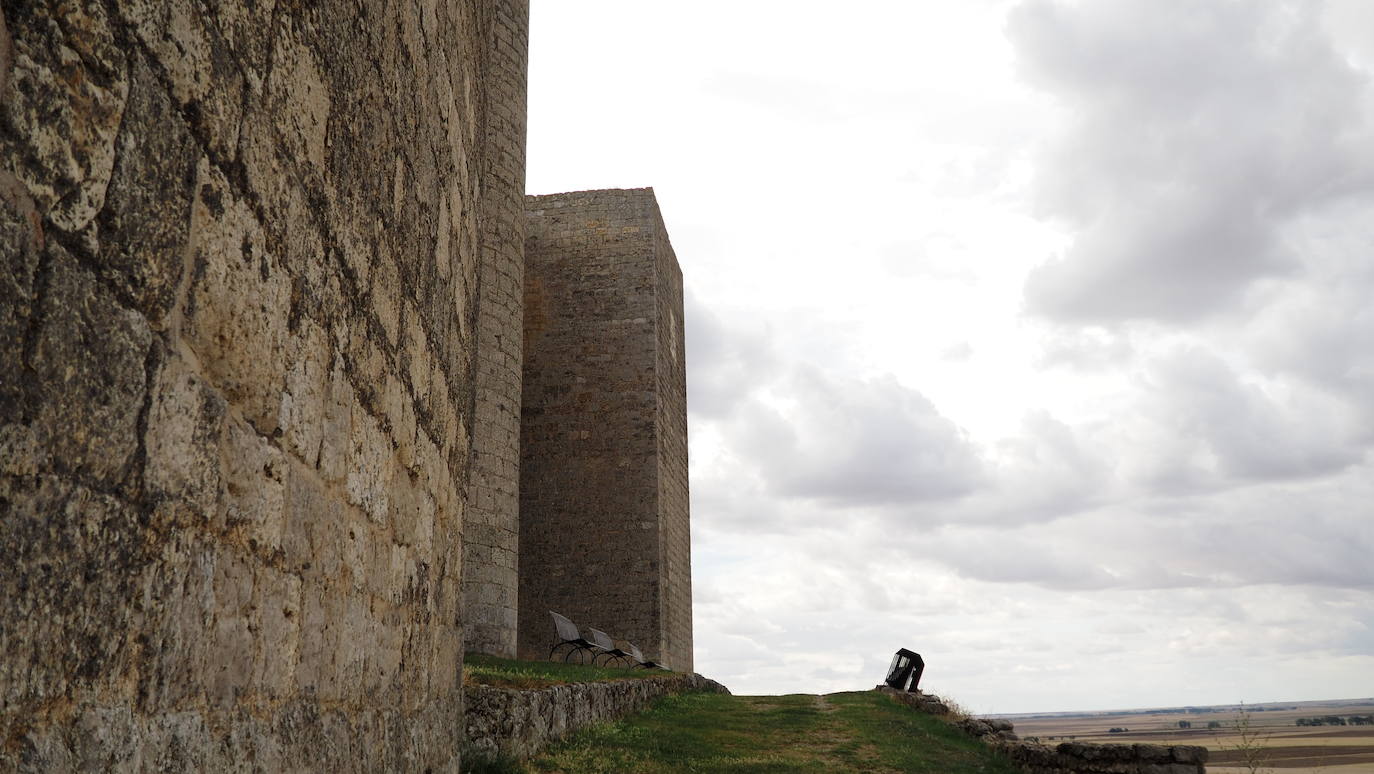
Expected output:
(510, 673)
(865, 732)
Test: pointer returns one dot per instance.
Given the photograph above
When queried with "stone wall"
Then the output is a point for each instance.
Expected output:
(238, 318)
(1068, 757)
(491, 530)
(520, 723)
(1084, 758)
(603, 506)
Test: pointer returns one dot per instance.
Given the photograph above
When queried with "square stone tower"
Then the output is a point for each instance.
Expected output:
(604, 535)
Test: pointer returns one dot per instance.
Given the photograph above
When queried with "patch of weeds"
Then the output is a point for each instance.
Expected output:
(480, 762)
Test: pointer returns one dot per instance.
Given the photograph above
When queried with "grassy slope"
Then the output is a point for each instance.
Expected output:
(527, 675)
(803, 733)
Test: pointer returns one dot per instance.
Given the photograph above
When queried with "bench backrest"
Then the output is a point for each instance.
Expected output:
(567, 630)
(602, 639)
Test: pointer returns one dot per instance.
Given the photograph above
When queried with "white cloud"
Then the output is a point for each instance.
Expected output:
(1196, 131)
(1034, 336)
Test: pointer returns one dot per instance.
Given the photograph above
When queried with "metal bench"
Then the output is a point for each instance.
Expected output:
(569, 635)
(608, 647)
(639, 658)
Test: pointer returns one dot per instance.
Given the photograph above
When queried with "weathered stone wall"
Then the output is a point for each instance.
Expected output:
(603, 511)
(238, 316)
(491, 530)
(1068, 757)
(520, 723)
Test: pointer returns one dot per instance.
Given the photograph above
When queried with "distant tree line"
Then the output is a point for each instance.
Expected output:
(1336, 720)
(1117, 730)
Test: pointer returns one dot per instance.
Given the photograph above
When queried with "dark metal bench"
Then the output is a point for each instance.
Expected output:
(569, 635)
(639, 658)
(608, 647)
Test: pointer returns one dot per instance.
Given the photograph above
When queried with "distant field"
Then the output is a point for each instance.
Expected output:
(1291, 748)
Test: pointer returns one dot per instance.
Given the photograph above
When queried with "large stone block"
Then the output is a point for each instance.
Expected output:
(252, 498)
(182, 444)
(205, 71)
(146, 219)
(77, 388)
(60, 107)
(69, 551)
(238, 309)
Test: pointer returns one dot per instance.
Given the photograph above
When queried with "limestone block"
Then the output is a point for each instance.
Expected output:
(178, 600)
(144, 225)
(67, 550)
(277, 596)
(386, 295)
(384, 664)
(84, 383)
(62, 105)
(1188, 753)
(204, 70)
(522, 722)
(232, 643)
(336, 435)
(399, 412)
(370, 465)
(419, 364)
(182, 442)
(106, 739)
(253, 493)
(354, 539)
(297, 98)
(237, 311)
(305, 400)
(179, 741)
(412, 514)
(323, 611)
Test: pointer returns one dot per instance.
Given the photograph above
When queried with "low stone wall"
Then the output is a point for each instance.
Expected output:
(1084, 758)
(521, 722)
(1068, 757)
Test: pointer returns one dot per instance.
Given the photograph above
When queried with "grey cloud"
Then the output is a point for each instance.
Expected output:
(1222, 427)
(857, 442)
(725, 363)
(1197, 130)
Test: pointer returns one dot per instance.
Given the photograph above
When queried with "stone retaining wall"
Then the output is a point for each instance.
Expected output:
(521, 722)
(1068, 757)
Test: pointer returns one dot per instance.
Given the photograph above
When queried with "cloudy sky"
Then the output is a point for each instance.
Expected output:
(1036, 336)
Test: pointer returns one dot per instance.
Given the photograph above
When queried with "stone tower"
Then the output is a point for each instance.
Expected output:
(491, 530)
(603, 489)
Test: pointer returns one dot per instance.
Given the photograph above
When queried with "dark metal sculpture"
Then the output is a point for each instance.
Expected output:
(906, 666)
